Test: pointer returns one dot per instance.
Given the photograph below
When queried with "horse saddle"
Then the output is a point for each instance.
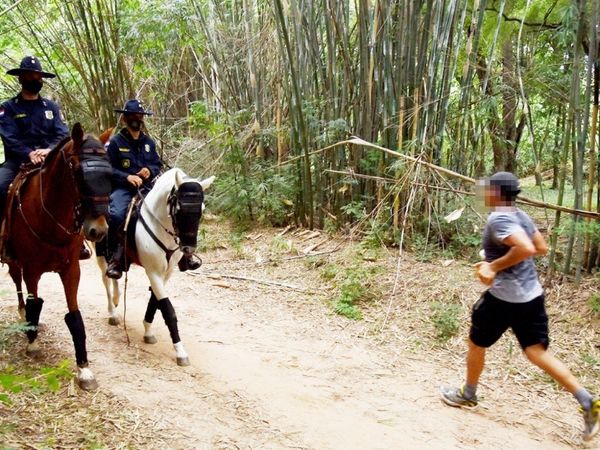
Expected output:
(14, 189)
(125, 234)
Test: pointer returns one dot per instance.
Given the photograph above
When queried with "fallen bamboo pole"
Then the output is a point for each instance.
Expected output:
(536, 203)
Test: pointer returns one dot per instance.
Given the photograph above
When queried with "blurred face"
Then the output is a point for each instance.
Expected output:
(31, 82)
(487, 195)
(492, 195)
(29, 76)
(134, 121)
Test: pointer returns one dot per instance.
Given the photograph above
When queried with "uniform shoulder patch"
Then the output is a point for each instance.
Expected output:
(49, 114)
(147, 148)
(2, 111)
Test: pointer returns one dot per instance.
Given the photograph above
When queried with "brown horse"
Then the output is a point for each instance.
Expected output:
(47, 209)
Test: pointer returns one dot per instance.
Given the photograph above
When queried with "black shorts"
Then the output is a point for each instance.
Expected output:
(491, 317)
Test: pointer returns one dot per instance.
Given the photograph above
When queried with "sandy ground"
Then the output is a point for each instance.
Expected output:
(274, 369)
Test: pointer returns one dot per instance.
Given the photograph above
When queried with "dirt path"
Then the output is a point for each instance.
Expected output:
(274, 372)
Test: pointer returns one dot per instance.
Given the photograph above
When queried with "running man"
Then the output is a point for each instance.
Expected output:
(515, 299)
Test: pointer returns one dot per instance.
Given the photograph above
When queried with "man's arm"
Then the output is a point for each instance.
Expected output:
(521, 248)
(539, 243)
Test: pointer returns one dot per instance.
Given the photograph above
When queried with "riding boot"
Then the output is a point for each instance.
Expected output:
(84, 253)
(117, 263)
(187, 262)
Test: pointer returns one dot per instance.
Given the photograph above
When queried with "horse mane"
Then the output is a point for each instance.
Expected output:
(56, 150)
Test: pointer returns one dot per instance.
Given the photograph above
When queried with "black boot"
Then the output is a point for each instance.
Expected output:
(116, 266)
(187, 262)
(84, 253)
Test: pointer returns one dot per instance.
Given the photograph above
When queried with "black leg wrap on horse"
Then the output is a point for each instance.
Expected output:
(74, 322)
(33, 308)
(168, 313)
(151, 309)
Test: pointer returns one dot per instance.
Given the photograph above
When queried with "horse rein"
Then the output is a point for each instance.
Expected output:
(168, 252)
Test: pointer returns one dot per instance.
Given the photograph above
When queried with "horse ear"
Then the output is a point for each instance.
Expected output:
(77, 134)
(104, 137)
(206, 183)
(179, 178)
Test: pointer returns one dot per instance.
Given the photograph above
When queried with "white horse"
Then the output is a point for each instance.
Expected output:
(166, 228)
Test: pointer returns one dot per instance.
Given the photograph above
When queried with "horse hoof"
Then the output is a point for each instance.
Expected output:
(33, 349)
(183, 361)
(88, 385)
(150, 340)
(114, 321)
(33, 352)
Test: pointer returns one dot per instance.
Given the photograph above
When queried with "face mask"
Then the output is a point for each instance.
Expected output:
(33, 86)
(134, 124)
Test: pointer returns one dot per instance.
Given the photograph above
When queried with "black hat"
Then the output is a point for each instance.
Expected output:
(30, 64)
(508, 184)
(133, 106)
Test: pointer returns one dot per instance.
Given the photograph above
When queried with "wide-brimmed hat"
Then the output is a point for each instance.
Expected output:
(30, 64)
(133, 106)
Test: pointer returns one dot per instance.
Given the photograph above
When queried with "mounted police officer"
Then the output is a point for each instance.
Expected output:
(135, 165)
(30, 126)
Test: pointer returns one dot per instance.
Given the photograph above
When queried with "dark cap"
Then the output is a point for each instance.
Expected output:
(30, 64)
(133, 106)
(508, 184)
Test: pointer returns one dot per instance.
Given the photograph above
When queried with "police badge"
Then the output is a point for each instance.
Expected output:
(126, 163)
(49, 114)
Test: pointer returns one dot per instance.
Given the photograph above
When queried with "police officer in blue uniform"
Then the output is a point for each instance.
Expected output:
(135, 165)
(30, 126)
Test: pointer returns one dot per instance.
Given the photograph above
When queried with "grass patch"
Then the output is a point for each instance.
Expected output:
(42, 408)
(446, 319)
(356, 285)
(594, 303)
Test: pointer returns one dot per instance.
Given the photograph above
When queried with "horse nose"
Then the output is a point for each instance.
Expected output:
(96, 235)
(95, 229)
(188, 249)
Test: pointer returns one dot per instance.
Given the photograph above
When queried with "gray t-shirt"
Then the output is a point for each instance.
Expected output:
(519, 283)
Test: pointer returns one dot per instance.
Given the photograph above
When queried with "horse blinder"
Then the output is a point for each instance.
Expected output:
(96, 175)
(186, 211)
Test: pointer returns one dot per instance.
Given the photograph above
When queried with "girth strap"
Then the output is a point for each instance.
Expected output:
(168, 252)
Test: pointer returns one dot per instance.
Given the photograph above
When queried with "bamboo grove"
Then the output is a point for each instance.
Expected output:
(253, 89)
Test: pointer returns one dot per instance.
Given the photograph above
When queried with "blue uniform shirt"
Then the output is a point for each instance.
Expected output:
(128, 156)
(27, 125)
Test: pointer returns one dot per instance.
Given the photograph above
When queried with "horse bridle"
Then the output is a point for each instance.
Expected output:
(184, 204)
(94, 167)
(179, 203)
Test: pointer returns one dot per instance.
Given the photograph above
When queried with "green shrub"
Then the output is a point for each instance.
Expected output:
(43, 380)
(594, 303)
(355, 287)
(329, 272)
(250, 191)
(446, 319)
